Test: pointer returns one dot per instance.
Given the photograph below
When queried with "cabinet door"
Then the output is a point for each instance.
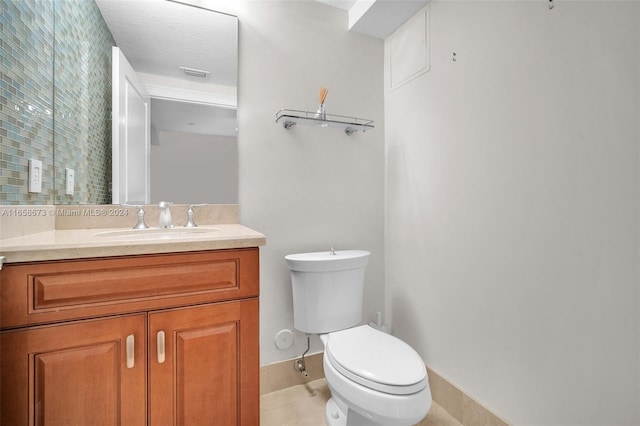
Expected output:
(82, 373)
(204, 365)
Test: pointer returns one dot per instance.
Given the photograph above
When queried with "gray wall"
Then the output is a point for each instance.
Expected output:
(512, 199)
(308, 188)
(187, 168)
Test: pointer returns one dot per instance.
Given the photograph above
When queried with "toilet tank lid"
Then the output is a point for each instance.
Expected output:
(377, 357)
(324, 261)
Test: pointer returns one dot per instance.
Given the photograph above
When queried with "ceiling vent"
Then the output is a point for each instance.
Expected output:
(191, 72)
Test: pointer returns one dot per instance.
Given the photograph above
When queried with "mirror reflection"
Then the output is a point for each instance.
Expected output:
(186, 59)
(60, 108)
(193, 152)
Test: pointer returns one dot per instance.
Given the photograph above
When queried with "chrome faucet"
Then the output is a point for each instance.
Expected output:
(190, 222)
(165, 220)
(140, 224)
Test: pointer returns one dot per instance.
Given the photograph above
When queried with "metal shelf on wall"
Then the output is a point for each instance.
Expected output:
(291, 117)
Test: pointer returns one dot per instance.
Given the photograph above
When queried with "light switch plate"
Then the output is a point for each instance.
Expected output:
(69, 176)
(35, 175)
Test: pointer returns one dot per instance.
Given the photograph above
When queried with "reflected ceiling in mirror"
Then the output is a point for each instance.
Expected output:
(175, 40)
(176, 116)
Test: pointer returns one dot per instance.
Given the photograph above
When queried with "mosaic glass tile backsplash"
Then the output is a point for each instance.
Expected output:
(26, 103)
(57, 111)
(82, 119)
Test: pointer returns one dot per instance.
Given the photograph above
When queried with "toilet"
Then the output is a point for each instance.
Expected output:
(374, 377)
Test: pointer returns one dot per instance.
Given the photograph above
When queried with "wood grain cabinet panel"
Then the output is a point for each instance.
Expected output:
(75, 374)
(46, 292)
(106, 286)
(143, 340)
(210, 373)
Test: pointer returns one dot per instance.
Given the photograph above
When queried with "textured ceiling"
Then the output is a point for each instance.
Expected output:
(158, 37)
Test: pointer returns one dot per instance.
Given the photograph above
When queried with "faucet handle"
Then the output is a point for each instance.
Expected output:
(190, 222)
(140, 224)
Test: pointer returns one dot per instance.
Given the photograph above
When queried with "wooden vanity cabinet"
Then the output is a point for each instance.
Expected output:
(198, 369)
(75, 374)
(182, 352)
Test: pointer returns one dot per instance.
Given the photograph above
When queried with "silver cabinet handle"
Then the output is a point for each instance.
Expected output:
(130, 351)
(160, 342)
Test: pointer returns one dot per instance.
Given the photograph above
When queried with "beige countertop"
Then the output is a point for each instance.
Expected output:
(84, 243)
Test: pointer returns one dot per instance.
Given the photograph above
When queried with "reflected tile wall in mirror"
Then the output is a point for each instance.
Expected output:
(82, 116)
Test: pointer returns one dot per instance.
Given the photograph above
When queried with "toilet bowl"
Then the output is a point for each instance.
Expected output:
(374, 377)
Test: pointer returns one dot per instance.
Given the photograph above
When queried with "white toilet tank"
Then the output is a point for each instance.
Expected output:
(327, 289)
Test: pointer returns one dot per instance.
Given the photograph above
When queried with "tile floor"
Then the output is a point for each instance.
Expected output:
(303, 405)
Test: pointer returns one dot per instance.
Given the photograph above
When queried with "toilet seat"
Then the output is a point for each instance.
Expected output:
(376, 360)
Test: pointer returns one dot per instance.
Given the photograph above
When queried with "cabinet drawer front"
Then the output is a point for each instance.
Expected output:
(95, 287)
(46, 292)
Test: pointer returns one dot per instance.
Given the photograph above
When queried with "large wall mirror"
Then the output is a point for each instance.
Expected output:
(59, 111)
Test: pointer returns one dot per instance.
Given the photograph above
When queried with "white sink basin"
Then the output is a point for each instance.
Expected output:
(160, 233)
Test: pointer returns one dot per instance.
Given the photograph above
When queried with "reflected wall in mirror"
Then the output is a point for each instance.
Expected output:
(193, 152)
(63, 118)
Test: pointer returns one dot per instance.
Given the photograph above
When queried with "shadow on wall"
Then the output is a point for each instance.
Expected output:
(403, 312)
